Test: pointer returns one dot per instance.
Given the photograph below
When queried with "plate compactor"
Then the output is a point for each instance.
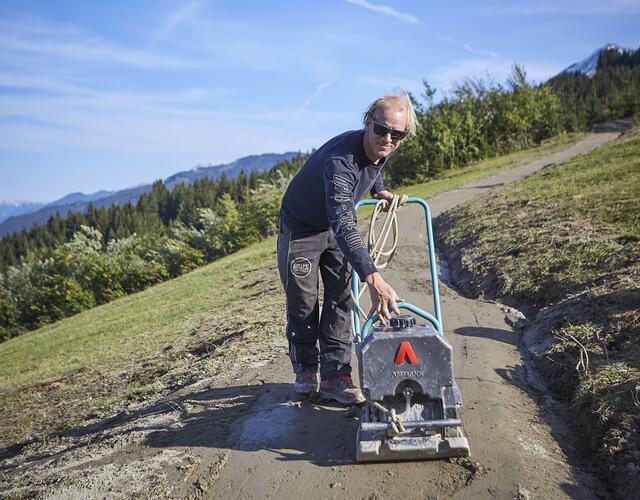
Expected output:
(406, 374)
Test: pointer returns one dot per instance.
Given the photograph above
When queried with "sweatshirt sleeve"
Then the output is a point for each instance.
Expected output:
(340, 182)
(378, 185)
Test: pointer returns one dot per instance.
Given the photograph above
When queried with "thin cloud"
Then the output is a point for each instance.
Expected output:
(177, 18)
(386, 10)
(468, 48)
(490, 66)
(316, 93)
(248, 45)
(42, 83)
(43, 41)
(137, 125)
(445, 77)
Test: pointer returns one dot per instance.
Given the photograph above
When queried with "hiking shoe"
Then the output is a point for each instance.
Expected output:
(342, 390)
(306, 382)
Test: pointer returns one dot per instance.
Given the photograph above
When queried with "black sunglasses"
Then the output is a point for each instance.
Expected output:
(381, 130)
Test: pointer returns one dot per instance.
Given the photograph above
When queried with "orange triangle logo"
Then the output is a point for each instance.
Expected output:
(405, 351)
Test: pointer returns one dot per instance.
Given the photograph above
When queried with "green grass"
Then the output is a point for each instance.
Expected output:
(176, 332)
(128, 329)
(557, 232)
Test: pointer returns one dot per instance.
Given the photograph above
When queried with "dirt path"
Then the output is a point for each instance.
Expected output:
(242, 436)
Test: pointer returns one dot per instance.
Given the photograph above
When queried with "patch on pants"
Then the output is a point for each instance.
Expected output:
(301, 267)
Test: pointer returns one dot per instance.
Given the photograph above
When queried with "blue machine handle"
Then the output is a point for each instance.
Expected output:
(437, 320)
(402, 305)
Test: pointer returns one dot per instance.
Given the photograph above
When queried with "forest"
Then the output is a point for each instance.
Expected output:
(79, 260)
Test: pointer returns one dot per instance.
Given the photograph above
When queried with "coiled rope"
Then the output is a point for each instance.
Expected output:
(376, 242)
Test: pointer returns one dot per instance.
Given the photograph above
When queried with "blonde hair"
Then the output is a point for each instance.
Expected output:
(398, 100)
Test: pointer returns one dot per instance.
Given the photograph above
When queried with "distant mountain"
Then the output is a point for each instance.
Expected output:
(590, 65)
(78, 202)
(603, 87)
(15, 208)
(41, 216)
(81, 197)
(247, 164)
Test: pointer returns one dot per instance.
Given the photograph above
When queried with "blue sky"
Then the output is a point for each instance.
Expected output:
(105, 95)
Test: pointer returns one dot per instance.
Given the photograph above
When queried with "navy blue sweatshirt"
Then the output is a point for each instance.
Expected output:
(324, 192)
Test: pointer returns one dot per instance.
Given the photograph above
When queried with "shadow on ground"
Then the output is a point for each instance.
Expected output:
(506, 336)
(243, 417)
(294, 430)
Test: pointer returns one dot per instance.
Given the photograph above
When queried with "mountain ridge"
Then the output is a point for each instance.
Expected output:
(79, 202)
(10, 208)
(589, 65)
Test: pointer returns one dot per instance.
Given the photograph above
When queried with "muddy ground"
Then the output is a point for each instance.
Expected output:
(244, 435)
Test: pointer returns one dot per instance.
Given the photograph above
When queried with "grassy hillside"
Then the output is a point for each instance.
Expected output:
(565, 244)
(166, 336)
(162, 338)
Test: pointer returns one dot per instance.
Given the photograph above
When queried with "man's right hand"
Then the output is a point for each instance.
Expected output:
(383, 297)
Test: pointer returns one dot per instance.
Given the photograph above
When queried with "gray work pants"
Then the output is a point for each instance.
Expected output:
(300, 259)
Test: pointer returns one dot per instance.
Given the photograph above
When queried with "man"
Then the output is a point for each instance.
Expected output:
(318, 233)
